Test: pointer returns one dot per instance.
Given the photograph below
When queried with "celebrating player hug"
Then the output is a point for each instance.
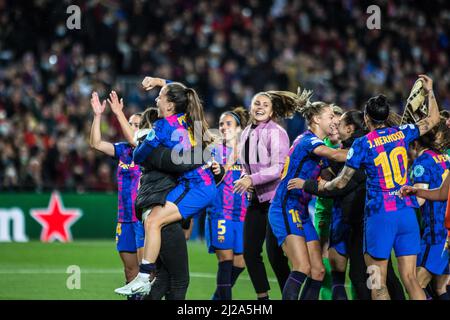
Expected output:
(225, 150)
(394, 161)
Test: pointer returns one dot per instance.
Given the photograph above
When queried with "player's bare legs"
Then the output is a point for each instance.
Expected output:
(296, 250)
(140, 254)
(377, 277)
(130, 264)
(441, 284)
(338, 262)
(313, 284)
(238, 261)
(159, 217)
(423, 276)
(407, 270)
(315, 258)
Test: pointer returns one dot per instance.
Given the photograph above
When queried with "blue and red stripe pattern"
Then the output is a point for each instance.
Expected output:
(383, 154)
(128, 175)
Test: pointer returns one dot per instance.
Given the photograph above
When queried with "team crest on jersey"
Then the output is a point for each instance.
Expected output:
(418, 171)
(221, 239)
(126, 166)
(350, 153)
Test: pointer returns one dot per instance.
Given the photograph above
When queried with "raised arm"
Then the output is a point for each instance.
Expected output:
(149, 83)
(338, 155)
(117, 108)
(429, 122)
(95, 139)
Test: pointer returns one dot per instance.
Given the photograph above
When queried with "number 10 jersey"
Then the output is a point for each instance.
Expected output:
(383, 154)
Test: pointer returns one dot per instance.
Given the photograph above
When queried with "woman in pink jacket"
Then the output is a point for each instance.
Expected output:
(264, 146)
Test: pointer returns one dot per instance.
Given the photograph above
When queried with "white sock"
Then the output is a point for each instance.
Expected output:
(144, 276)
(145, 261)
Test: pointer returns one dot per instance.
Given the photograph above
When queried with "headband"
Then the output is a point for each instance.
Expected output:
(235, 116)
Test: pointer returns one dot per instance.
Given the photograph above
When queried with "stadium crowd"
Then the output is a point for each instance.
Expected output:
(226, 50)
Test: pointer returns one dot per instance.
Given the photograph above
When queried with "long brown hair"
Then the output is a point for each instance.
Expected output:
(148, 117)
(286, 103)
(187, 101)
(430, 139)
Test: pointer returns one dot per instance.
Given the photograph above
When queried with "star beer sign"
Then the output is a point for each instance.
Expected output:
(56, 220)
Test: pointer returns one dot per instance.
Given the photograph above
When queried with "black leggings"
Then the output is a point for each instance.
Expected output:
(358, 268)
(172, 278)
(256, 230)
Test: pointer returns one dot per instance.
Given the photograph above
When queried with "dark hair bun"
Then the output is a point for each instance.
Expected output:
(377, 108)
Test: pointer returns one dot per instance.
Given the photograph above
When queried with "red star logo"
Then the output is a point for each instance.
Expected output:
(56, 220)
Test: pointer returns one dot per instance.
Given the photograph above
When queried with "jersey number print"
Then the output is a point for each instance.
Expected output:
(393, 160)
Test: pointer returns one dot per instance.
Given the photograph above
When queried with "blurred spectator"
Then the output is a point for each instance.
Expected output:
(227, 50)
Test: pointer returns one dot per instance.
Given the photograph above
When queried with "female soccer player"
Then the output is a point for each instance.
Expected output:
(159, 177)
(390, 221)
(323, 211)
(182, 113)
(129, 231)
(346, 234)
(288, 213)
(224, 230)
(429, 170)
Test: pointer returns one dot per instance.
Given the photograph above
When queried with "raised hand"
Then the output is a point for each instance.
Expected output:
(97, 107)
(149, 83)
(427, 82)
(114, 102)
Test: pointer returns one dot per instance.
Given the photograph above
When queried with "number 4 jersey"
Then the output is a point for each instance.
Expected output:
(383, 154)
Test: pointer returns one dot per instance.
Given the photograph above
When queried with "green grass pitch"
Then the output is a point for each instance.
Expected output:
(36, 270)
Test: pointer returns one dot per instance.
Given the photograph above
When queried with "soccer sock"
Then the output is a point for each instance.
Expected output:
(311, 289)
(444, 296)
(293, 284)
(145, 269)
(427, 294)
(448, 289)
(235, 273)
(338, 287)
(224, 279)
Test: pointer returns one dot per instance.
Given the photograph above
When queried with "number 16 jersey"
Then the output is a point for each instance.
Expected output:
(383, 154)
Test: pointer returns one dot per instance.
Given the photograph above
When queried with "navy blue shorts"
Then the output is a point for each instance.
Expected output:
(192, 198)
(434, 258)
(398, 230)
(222, 234)
(339, 234)
(129, 236)
(288, 221)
